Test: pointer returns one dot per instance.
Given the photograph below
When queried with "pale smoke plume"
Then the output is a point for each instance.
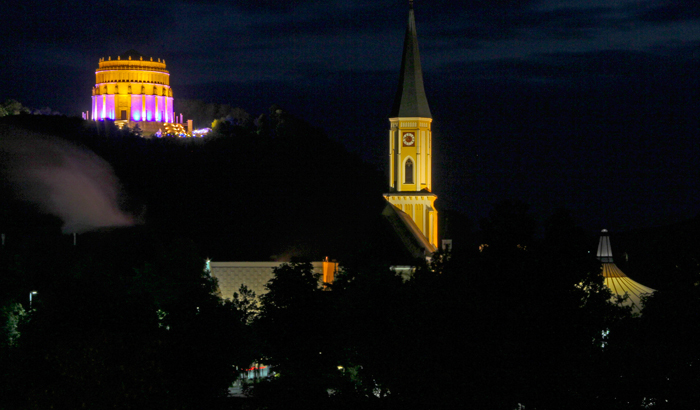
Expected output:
(62, 179)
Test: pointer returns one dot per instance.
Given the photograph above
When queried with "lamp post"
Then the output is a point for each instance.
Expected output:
(30, 297)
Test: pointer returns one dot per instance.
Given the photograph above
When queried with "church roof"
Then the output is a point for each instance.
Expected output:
(410, 100)
(616, 280)
(408, 232)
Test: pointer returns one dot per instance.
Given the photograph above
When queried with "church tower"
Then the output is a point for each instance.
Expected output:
(410, 142)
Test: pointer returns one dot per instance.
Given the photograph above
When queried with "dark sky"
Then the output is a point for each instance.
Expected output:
(586, 104)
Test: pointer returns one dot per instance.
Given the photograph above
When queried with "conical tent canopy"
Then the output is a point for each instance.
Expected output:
(616, 280)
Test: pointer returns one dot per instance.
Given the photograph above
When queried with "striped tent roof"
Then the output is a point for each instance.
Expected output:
(616, 280)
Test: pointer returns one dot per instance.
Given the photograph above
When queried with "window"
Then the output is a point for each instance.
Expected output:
(408, 172)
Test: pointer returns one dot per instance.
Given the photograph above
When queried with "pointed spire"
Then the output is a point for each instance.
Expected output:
(410, 100)
(604, 251)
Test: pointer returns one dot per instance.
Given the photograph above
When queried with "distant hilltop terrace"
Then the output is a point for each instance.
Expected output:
(135, 91)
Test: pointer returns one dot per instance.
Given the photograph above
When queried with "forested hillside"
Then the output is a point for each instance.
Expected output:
(270, 188)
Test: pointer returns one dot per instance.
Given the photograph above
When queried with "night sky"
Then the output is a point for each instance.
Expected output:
(590, 105)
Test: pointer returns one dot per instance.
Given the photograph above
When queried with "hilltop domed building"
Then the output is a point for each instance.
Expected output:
(135, 91)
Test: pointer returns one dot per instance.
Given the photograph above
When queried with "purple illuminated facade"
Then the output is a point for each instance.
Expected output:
(132, 89)
(141, 108)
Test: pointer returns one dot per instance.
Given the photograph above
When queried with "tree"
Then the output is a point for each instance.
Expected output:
(12, 315)
(12, 107)
(246, 303)
(293, 328)
(654, 358)
(129, 319)
(203, 114)
(486, 329)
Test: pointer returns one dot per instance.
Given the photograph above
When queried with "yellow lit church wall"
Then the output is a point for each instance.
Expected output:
(410, 180)
(421, 208)
(410, 138)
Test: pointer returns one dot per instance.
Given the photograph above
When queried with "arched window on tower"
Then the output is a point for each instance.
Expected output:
(408, 172)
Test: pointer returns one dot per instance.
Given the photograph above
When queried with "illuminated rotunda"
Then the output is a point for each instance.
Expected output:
(133, 90)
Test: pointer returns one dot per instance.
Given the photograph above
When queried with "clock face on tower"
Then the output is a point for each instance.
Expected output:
(409, 139)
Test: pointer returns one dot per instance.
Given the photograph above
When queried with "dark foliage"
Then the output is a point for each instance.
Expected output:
(128, 319)
(519, 322)
(203, 114)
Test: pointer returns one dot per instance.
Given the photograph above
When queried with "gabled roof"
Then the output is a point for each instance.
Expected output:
(408, 232)
(616, 280)
(410, 100)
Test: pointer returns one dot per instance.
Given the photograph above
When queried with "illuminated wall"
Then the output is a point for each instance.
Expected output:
(132, 88)
(255, 275)
(410, 140)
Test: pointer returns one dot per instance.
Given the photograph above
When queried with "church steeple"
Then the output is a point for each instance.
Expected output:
(410, 100)
(410, 143)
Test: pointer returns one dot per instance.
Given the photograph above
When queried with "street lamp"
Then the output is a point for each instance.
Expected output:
(30, 297)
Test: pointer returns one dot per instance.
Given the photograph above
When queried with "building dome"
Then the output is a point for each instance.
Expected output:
(132, 87)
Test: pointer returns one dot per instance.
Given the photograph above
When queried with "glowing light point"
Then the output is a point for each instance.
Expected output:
(201, 132)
